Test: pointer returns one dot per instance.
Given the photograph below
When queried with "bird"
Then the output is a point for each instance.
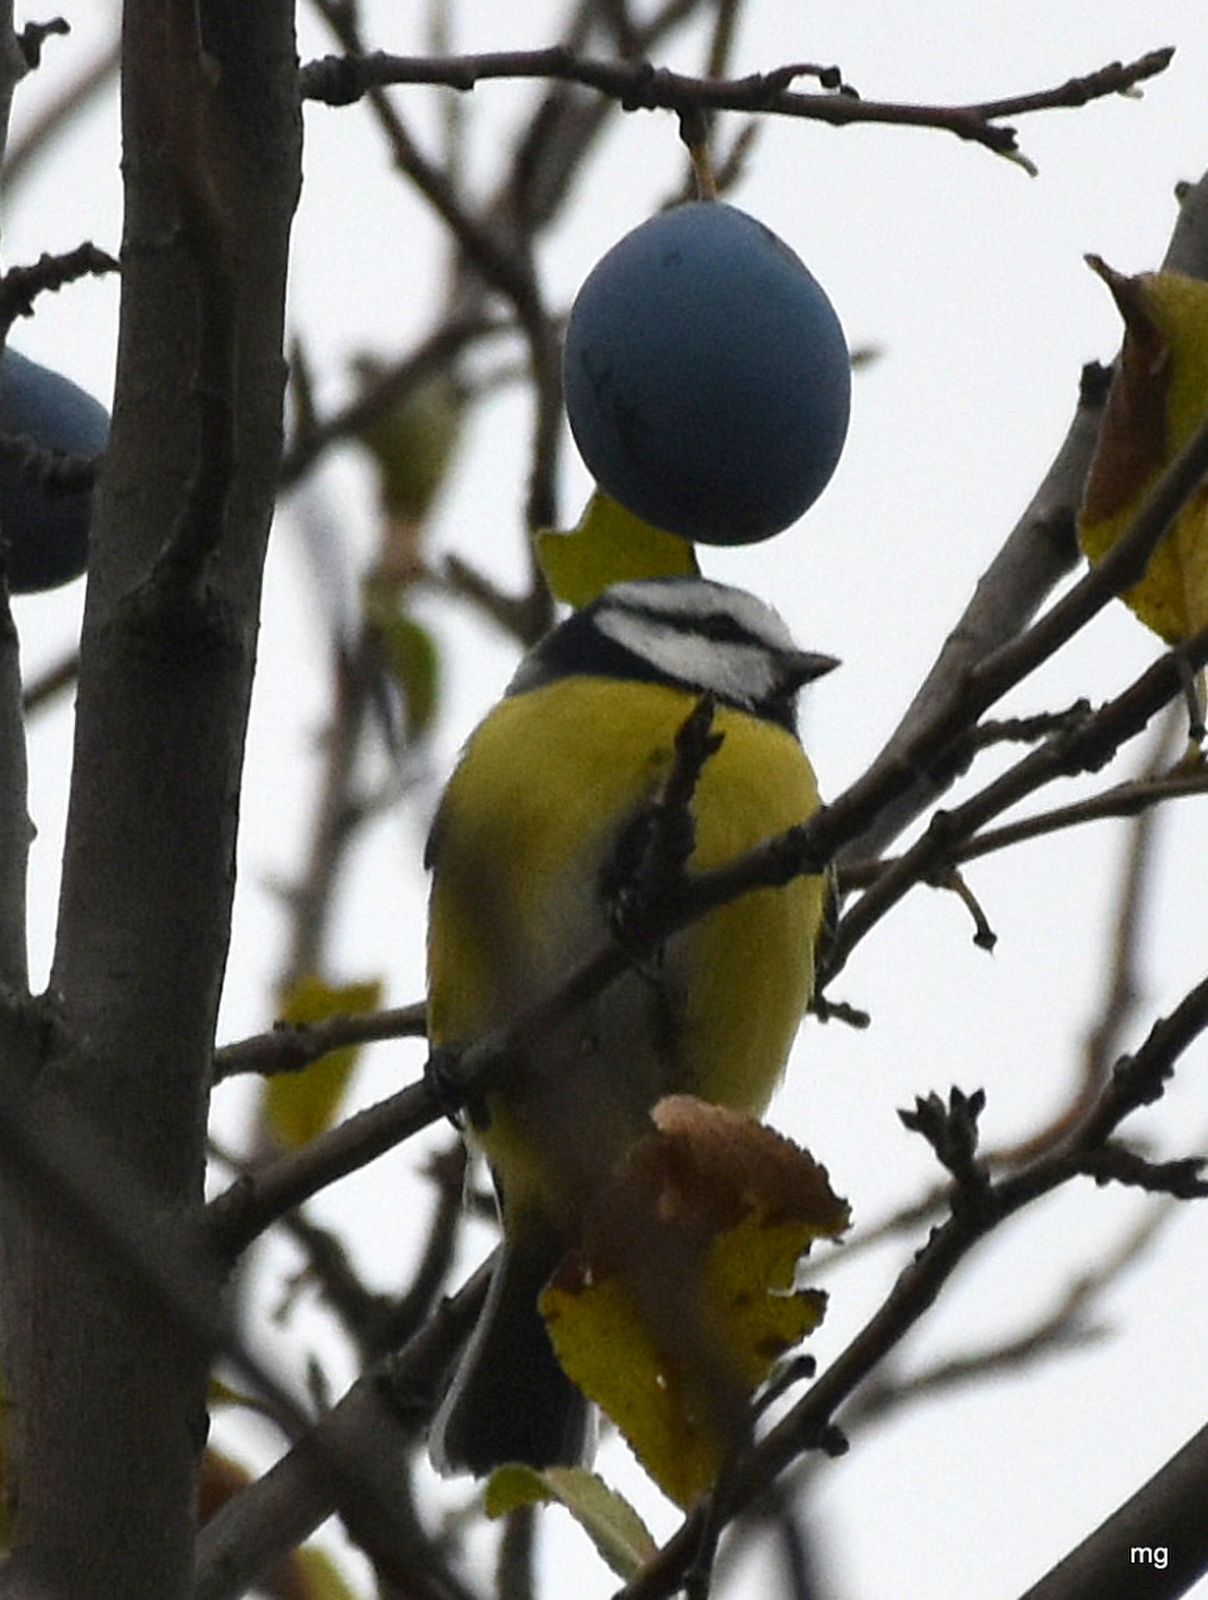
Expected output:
(542, 819)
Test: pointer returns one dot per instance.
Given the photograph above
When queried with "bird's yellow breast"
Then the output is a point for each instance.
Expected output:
(527, 829)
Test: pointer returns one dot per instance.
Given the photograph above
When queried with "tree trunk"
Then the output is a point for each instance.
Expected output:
(108, 1308)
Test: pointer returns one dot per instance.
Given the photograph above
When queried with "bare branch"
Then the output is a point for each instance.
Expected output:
(1040, 550)
(23, 152)
(13, 67)
(1084, 749)
(1180, 1179)
(1134, 798)
(20, 286)
(437, 351)
(50, 683)
(1140, 1079)
(340, 80)
(256, 1201)
(1167, 1513)
(356, 1460)
(294, 1046)
(1116, 78)
(983, 1205)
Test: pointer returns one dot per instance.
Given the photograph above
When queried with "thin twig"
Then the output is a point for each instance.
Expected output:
(985, 1205)
(36, 138)
(1081, 750)
(339, 80)
(1132, 798)
(254, 1202)
(20, 286)
(1037, 554)
(437, 352)
(294, 1046)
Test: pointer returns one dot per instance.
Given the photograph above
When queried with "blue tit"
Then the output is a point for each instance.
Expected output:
(529, 848)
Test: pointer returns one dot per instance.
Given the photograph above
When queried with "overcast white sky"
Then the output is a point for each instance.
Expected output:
(968, 275)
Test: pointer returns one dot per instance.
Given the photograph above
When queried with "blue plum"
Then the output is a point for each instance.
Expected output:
(44, 531)
(707, 378)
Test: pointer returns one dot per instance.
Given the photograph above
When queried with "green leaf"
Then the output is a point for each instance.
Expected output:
(609, 545)
(412, 660)
(608, 1519)
(413, 443)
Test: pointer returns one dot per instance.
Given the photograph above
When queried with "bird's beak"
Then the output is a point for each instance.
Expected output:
(803, 666)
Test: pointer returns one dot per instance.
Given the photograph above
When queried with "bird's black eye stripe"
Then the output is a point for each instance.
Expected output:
(720, 627)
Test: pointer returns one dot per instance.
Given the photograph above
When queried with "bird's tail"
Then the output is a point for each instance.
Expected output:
(509, 1400)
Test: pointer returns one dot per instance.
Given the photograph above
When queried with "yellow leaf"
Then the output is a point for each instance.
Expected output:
(614, 1527)
(1158, 398)
(316, 1576)
(609, 545)
(224, 1394)
(299, 1105)
(679, 1300)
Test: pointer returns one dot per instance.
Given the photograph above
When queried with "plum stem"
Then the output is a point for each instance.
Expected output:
(694, 131)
